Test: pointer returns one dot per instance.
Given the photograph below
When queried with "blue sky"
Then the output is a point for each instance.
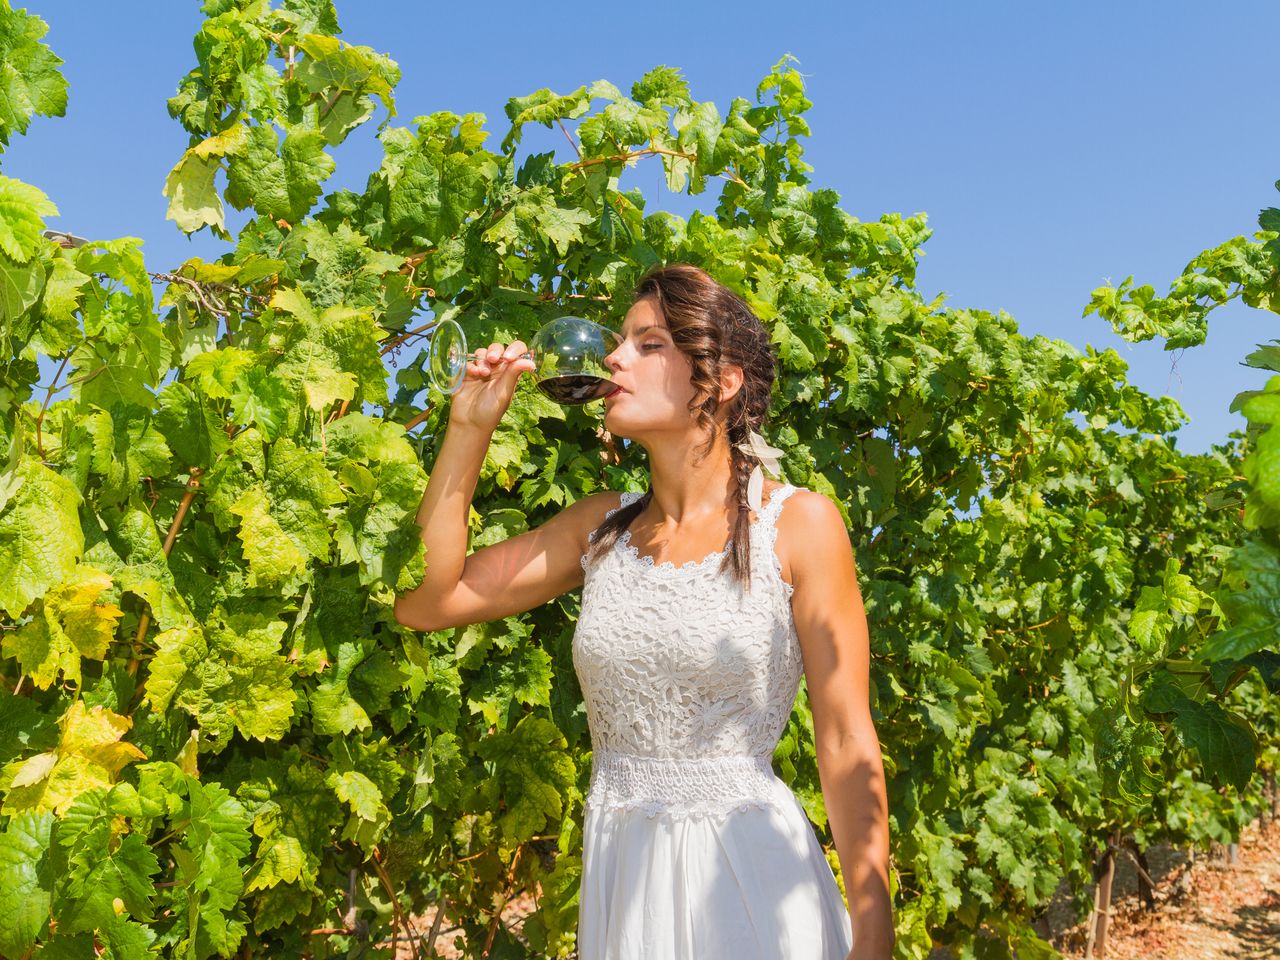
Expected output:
(1053, 147)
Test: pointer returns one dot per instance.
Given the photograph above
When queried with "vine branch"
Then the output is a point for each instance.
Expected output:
(397, 914)
(573, 143)
(193, 483)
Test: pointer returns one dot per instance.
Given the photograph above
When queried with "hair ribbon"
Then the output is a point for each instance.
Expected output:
(766, 457)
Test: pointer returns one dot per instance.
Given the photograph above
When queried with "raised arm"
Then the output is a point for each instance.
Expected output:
(505, 578)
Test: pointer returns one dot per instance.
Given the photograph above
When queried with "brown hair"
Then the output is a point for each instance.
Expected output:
(712, 326)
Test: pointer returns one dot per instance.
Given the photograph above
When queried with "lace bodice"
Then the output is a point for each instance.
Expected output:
(688, 678)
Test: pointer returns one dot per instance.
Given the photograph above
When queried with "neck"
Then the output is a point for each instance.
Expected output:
(689, 491)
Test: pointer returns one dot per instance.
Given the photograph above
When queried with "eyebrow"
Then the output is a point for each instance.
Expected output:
(652, 326)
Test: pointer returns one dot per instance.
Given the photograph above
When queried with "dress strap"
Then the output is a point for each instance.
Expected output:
(628, 497)
(766, 524)
(769, 512)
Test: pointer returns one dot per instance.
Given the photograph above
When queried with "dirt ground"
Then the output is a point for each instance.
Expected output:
(1203, 911)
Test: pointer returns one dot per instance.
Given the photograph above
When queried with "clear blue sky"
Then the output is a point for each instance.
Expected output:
(1053, 147)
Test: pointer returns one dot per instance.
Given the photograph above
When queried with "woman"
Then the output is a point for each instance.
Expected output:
(703, 600)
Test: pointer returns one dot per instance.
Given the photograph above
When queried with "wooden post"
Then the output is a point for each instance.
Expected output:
(1104, 873)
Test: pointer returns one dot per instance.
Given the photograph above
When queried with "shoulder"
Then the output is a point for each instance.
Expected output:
(587, 513)
(594, 506)
(809, 508)
(811, 533)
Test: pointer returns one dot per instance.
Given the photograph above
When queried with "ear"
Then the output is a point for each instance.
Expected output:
(731, 378)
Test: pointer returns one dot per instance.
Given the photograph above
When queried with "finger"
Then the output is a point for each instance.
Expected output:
(495, 352)
(514, 349)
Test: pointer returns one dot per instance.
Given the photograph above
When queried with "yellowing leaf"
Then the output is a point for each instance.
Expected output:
(69, 624)
(326, 386)
(90, 754)
(193, 197)
(34, 769)
(90, 625)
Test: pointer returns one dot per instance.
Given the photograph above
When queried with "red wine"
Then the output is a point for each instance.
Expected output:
(576, 388)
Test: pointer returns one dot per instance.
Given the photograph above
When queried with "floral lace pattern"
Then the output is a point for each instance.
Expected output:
(688, 678)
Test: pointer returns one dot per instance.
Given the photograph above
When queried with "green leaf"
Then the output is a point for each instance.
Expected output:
(536, 775)
(26, 881)
(1253, 609)
(301, 492)
(261, 399)
(281, 181)
(21, 208)
(209, 871)
(359, 792)
(661, 86)
(102, 875)
(563, 225)
(30, 83)
(217, 371)
(272, 554)
(1128, 755)
(545, 107)
(1226, 745)
(522, 675)
(20, 287)
(346, 76)
(180, 651)
(234, 678)
(191, 426)
(333, 709)
(40, 536)
(436, 192)
(124, 366)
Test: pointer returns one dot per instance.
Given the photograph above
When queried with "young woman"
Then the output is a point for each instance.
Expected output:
(703, 601)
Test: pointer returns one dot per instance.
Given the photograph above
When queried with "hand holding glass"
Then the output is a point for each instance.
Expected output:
(568, 353)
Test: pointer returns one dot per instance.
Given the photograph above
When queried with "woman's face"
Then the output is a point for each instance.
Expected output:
(654, 377)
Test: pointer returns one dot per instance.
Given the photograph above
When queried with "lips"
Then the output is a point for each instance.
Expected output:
(614, 393)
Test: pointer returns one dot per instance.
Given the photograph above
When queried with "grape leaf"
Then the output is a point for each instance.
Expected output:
(26, 881)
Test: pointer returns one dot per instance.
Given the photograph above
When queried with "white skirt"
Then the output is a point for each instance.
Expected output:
(748, 884)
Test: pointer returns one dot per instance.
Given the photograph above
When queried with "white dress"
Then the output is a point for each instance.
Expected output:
(692, 848)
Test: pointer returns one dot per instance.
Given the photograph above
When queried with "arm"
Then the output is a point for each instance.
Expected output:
(505, 578)
(832, 627)
(499, 580)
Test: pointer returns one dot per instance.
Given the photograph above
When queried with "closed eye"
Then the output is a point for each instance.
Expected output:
(655, 346)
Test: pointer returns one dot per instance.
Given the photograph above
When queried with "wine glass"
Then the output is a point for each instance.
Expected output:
(568, 353)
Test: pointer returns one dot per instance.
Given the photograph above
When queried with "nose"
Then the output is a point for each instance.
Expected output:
(611, 359)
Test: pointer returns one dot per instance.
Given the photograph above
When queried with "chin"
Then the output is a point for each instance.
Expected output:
(615, 428)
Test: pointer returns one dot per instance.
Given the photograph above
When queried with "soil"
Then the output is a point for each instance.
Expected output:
(1204, 909)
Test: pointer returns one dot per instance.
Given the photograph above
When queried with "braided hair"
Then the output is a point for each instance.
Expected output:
(712, 326)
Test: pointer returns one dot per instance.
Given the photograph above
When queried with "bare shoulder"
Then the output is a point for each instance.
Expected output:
(811, 534)
(587, 513)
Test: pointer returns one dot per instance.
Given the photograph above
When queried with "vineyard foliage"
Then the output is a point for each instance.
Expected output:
(217, 740)
(1243, 637)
